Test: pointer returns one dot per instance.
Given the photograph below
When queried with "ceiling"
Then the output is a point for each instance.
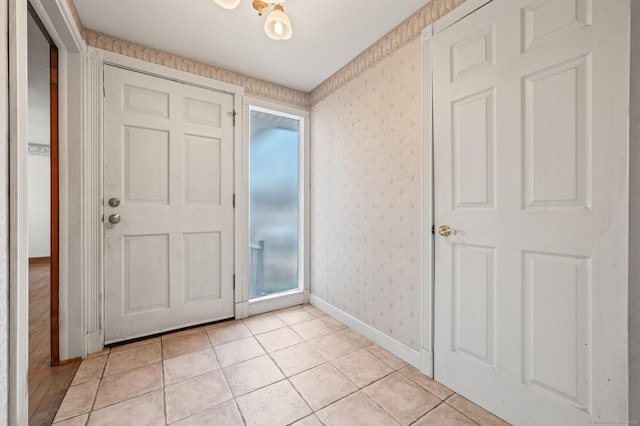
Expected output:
(327, 34)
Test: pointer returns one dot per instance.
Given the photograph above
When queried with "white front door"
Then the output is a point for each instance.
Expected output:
(530, 102)
(168, 160)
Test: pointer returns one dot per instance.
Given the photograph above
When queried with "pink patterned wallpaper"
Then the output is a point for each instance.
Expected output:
(366, 197)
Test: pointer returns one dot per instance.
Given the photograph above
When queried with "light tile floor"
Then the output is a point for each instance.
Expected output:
(293, 366)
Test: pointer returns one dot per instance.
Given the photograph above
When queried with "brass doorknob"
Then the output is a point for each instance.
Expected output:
(445, 231)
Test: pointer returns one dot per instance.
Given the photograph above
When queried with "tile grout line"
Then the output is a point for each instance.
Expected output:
(327, 361)
(191, 378)
(226, 381)
(164, 384)
(95, 396)
(104, 370)
(360, 389)
(280, 369)
(420, 387)
(458, 411)
(100, 380)
(286, 378)
(426, 414)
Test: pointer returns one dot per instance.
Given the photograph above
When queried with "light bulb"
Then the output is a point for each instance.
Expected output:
(277, 28)
(277, 25)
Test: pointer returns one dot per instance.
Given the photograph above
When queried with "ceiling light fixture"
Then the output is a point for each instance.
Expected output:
(277, 25)
(228, 4)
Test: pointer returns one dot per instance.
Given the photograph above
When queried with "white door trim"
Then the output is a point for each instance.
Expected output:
(60, 24)
(161, 71)
(58, 20)
(4, 216)
(426, 319)
(93, 284)
(427, 288)
(18, 302)
(457, 14)
(92, 310)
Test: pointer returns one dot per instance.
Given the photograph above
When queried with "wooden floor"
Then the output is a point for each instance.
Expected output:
(47, 385)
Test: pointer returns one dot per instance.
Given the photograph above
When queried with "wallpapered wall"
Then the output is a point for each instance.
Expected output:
(366, 173)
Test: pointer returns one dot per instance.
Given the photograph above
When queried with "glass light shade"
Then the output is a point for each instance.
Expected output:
(278, 26)
(228, 4)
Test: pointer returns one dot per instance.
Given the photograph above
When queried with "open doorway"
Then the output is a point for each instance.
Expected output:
(45, 378)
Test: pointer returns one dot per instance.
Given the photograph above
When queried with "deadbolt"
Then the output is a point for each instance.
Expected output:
(114, 218)
(114, 202)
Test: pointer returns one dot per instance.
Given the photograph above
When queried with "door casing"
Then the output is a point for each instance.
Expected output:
(93, 285)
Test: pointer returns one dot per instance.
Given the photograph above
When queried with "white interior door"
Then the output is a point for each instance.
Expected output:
(530, 102)
(168, 159)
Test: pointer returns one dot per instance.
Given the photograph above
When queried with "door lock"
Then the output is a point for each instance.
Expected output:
(114, 202)
(445, 231)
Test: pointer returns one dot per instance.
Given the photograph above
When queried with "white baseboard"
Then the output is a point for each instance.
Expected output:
(397, 348)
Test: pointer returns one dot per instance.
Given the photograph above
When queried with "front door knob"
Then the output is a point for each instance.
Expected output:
(445, 231)
(114, 218)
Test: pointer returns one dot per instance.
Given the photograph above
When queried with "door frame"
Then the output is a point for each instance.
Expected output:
(57, 19)
(428, 285)
(244, 305)
(93, 190)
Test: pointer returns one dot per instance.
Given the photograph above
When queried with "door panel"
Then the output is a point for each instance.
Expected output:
(556, 106)
(202, 253)
(545, 21)
(146, 165)
(474, 305)
(474, 151)
(530, 100)
(203, 156)
(556, 297)
(142, 101)
(146, 273)
(473, 53)
(168, 157)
